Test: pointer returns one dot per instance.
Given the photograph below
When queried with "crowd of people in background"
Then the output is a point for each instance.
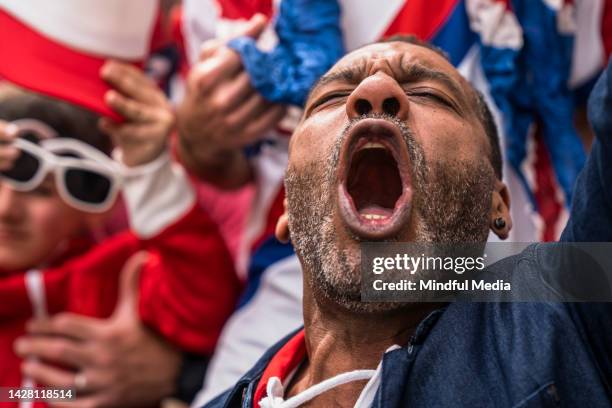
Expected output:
(143, 149)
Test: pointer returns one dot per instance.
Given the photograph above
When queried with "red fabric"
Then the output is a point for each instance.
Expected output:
(187, 289)
(161, 36)
(546, 190)
(287, 359)
(9, 374)
(176, 30)
(606, 28)
(229, 209)
(409, 19)
(15, 303)
(36, 62)
(244, 9)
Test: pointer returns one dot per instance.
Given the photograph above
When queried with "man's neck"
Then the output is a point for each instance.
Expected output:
(339, 341)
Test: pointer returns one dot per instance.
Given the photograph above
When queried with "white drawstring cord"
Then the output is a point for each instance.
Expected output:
(35, 285)
(275, 390)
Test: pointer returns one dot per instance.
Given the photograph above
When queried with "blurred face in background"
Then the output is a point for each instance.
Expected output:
(35, 226)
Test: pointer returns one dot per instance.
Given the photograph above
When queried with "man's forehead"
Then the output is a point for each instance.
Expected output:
(398, 52)
(376, 50)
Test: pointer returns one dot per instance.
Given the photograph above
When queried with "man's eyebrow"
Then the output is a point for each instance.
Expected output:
(418, 72)
(348, 74)
(352, 74)
(409, 72)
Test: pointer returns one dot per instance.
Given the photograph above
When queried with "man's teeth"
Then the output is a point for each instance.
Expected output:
(373, 145)
(374, 217)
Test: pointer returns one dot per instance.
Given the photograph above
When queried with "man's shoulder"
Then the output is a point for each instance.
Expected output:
(510, 352)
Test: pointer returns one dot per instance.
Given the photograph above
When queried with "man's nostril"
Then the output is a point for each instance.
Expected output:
(363, 107)
(391, 106)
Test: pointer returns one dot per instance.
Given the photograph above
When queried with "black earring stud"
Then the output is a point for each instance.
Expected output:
(499, 223)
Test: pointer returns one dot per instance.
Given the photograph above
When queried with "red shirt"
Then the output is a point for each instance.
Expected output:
(188, 288)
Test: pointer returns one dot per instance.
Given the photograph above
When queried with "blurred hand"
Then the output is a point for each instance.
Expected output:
(121, 362)
(221, 112)
(149, 119)
(8, 153)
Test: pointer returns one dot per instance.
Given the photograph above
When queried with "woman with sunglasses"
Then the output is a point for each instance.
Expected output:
(58, 187)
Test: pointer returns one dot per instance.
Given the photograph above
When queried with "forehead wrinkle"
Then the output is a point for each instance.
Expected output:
(351, 74)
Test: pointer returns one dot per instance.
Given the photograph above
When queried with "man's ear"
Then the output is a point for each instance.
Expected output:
(282, 226)
(500, 221)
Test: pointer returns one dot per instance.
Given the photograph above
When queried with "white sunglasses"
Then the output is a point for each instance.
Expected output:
(86, 178)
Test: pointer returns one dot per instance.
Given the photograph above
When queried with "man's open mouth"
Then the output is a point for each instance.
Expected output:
(375, 189)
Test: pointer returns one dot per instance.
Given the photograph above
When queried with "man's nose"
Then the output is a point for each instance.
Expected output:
(10, 207)
(378, 94)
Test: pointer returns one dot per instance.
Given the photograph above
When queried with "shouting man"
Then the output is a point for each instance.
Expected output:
(395, 145)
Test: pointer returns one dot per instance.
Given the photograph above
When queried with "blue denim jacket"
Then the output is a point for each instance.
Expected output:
(507, 354)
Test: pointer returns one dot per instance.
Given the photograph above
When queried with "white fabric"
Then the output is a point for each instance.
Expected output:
(202, 21)
(274, 311)
(35, 287)
(275, 390)
(198, 25)
(110, 28)
(377, 16)
(269, 168)
(496, 25)
(156, 194)
(588, 56)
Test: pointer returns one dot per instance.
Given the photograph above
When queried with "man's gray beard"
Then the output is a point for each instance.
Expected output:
(464, 187)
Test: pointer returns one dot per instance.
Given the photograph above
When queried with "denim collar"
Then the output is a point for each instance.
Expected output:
(242, 392)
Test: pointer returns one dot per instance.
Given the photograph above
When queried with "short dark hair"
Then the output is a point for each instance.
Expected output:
(66, 119)
(482, 109)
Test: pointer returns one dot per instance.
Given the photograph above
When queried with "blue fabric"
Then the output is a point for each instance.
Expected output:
(508, 354)
(455, 36)
(310, 42)
(545, 63)
(592, 194)
(269, 253)
(489, 355)
(530, 85)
